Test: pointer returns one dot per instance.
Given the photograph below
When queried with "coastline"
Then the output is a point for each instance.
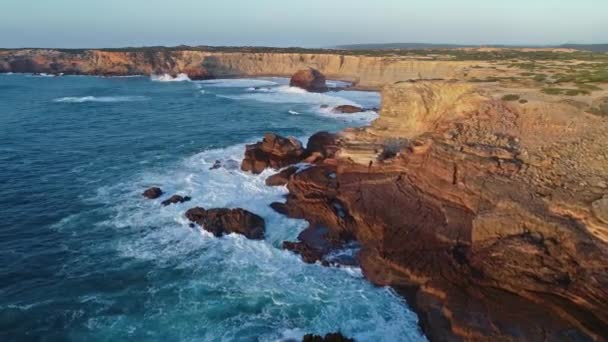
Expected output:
(482, 198)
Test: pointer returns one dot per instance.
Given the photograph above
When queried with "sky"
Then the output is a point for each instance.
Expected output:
(306, 23)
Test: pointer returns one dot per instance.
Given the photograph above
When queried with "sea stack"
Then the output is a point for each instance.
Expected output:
(309, 79)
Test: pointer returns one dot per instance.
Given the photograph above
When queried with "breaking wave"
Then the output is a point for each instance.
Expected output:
(168, 78)
(105, 99)
(263, 292)
(238, 83)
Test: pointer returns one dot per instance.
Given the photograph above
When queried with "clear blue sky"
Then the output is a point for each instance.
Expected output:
(309, 23)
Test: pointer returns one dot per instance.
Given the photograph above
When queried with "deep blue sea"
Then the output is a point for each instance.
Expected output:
(84, 257)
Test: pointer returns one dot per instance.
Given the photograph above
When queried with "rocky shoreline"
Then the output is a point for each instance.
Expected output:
(469, 208)
(489, 217)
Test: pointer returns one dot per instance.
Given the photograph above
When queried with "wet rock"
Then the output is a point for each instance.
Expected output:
(324, 143)
(347, 109)
(332, 337)
(309, 79)
(153, 193)
(216, 165)
(309, 255)
(281, 178)
(274, 151)
(197, 74)
(280, 208)
(223, 221)
(175, 199)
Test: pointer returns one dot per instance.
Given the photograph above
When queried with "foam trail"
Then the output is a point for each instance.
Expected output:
(104, 99)
(168, 78)
(238, 83)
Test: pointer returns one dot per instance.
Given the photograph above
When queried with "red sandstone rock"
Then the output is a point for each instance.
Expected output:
(274, 151)
(482, 238)
(309, 79)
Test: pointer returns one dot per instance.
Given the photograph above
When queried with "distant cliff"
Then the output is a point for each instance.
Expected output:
(365, 71)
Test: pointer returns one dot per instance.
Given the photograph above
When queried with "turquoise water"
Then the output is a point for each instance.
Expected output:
(84, 257)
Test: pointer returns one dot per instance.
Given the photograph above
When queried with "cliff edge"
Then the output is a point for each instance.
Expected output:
(489, 216)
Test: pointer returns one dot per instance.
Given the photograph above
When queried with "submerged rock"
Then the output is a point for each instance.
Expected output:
(274, 151)
(332, 337)
(223, 221)
(309, 79)
(347, 109)
(153, 193)
(175, 199)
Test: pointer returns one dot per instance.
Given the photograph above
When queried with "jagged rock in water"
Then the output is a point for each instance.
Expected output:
(274, 151)
(223, 221)
(332, 337)
(152, 193)
(175, 199)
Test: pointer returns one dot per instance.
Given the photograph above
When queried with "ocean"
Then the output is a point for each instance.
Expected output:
(84, 257)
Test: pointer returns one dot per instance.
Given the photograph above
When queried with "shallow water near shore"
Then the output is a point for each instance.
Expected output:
(84, 257)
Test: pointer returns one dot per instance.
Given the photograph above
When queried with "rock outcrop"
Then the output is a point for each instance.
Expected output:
(489, 217)
(309, 79)
(152, 193)
(227, 221)
(274, 151)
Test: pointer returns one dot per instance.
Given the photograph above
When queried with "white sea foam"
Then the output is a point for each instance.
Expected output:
(238, 83)
(287, 94)
(337, 84)
(169, 78)
(362, 117)
(105, 99)
(262, 291)
(293, 112)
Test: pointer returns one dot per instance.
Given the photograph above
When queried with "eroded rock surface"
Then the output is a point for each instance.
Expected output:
(488, 216)
(274, 151)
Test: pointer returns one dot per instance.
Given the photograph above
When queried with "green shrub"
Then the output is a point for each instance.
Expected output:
(510, 97)
(523, 101)
(553, 91)
(575, 92)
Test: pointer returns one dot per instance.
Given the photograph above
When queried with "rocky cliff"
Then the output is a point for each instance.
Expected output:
(490, 217)
(363, 70)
